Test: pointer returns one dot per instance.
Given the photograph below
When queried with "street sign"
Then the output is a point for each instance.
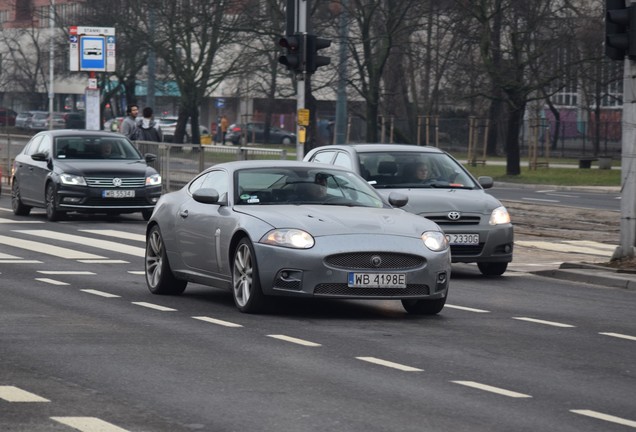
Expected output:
(303, 117)
(92, 49)
(93, 53)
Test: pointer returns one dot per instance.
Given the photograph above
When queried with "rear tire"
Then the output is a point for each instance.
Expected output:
(424, 307)
(19, 209)
(159, 276)
(492, 269)
(246, 287)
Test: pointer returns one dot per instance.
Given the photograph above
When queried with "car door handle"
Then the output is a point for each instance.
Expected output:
(183, 214)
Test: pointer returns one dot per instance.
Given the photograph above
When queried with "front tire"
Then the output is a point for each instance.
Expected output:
(52, 213)
(246, 287)
(159, 276)
(19, 209)
(424, 307)
(492, 269)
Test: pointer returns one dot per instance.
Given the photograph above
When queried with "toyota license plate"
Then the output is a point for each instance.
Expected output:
(118, 193)
(377, 280)
(463, 239)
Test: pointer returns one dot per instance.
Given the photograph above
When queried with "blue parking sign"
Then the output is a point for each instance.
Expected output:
(93, 53)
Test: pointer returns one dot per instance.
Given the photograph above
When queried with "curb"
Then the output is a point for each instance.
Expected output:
(591, 274)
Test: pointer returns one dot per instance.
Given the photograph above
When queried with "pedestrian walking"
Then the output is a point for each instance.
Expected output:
(224, 126)
(129, 125)
(147, 128)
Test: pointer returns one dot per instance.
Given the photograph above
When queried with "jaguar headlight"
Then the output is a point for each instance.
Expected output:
(435, 240)
(499, 216)
(73, 180)
(291, 238)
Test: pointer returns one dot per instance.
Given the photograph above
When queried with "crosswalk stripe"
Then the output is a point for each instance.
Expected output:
(15, 394)
(88, 424)
(51, 281)
(118, 234)
(47, 248)
(11, 221)
(101, 244)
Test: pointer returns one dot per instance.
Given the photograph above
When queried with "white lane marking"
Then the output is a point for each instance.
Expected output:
(540, 200)
(47, 248)
(7, 256)
(103, 261)
(216, 321)
(137, 272)
(101, 244)
(295, 340)
(118, 234)
(154, 306)
(389, 364)
(20, 261)
(64, 272)
(492, 389)
(464, 308)
(565, 247)
(88, 424)
(591, 244)
(15, 394)
(619, 335)
(538, 321)
(51, 281)
(606, 417)
(546, 190)
(99, 293)
(10, 221)
(563, 195)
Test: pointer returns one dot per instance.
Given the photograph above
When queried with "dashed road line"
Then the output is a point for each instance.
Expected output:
(538, 321)
(492, 389)
(606, 417)
(154, 306)
(389, 364)
(88, 424)
(136, 272)
(15, 394)
(99, 293)
(103, 261)
(464, 308)
(51, 281)
(619, 335)
(294, 340)
(117, 234)
(66, 272)
(216, 321)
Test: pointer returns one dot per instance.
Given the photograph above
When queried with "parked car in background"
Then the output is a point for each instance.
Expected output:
(169, 125)
(22, 119)
(287, 228)
(254, 132)
(477, 225)
(83, 171)
(7, 117)
(75, 120)
(40, 121)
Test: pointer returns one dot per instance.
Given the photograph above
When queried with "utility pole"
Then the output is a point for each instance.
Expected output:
(51, 62)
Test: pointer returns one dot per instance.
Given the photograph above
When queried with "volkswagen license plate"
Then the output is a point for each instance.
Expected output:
(116, 193)
(463, 239)
(377, 280)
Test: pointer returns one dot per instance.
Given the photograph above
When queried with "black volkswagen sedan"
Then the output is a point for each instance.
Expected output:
(83, 171)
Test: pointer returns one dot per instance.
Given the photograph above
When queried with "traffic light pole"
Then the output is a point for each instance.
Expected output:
(301, 27)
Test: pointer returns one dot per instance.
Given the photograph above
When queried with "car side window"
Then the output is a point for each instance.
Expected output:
(323, 157)
(44, 146)
(32, 145)
(215, 180)
(343, 160)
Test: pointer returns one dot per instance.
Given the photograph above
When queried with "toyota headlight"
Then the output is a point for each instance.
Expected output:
(291, 238)
(153, 180)
(435, 241)
(499, 216)
(73, 180)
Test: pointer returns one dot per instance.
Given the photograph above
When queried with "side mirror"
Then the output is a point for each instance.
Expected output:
(149, 157)
(486, 182)
(40, 157)
(206, 196)
(397, 199)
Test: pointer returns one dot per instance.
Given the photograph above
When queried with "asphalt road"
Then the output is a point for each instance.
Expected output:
(84, 346)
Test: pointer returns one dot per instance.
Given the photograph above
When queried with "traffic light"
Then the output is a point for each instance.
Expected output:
(293, 57)
(314, 61)
(620, 30)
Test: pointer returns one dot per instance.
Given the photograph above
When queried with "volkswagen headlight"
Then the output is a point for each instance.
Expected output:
(499, 216)
(291, 238)
(153, 180)
(435, 240)
(73, 180)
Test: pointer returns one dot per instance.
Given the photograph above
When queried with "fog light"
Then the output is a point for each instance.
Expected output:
(71, 200)
(441, 282)
(508, 248)
(154, 200)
